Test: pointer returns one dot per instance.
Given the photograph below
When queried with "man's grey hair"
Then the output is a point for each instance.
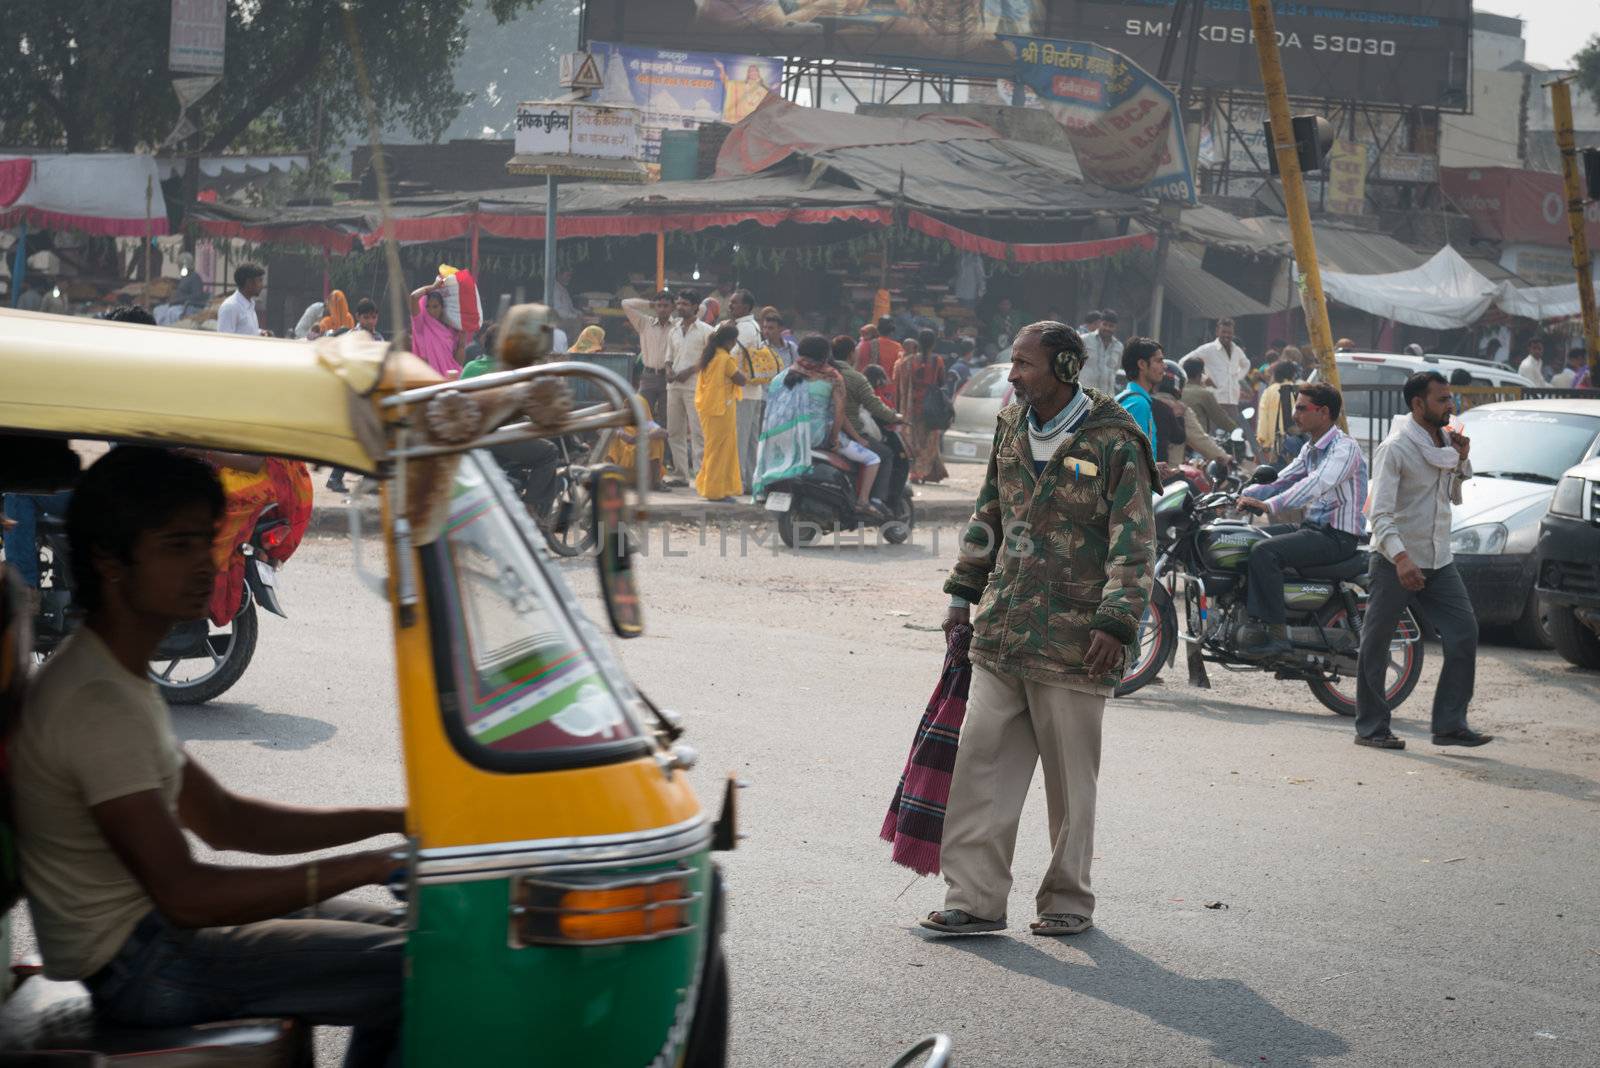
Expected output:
(1055, 336)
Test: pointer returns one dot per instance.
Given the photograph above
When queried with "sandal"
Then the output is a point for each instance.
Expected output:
(1060, 923)
(957, 922)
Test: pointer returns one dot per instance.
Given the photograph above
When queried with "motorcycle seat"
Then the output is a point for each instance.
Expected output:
(833, 459)
(1343, 571)
(44, 1015)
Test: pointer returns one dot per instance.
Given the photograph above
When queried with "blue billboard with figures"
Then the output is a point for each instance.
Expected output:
(682, 90)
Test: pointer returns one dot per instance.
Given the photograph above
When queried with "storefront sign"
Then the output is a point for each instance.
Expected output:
(1539, 264)
(199, 30)
(591, 131)
(1347, 178)
(1516, 206)
(682, 90)
(1417, 167)
(1412, 52)
(1123, 124)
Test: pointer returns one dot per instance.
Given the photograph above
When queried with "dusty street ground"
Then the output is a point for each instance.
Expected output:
(1425, 907)
(1383, 908)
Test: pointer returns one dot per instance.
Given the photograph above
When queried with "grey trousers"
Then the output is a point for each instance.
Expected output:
(1010, 726)
(749, 422)
(684, 433)
(1444, 599)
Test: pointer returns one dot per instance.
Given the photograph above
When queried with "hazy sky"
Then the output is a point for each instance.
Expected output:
(1554, 29)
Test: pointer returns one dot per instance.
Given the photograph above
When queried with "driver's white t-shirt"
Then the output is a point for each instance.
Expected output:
(91, 732)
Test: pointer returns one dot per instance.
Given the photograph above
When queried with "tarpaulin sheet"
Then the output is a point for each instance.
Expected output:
(778, 129)
(1446, 293)
(102, 194)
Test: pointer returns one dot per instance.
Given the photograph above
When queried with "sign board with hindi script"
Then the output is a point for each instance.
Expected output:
(1123, 124)
(568, 138)
(199, 30)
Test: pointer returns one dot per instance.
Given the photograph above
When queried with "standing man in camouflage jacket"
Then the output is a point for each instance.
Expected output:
(1058, 558)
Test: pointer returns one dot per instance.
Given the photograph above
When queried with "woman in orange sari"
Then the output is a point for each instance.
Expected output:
(918, 371)
(716, 396)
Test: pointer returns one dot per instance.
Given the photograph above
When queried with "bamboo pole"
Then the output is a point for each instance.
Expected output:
(1561, 107)
(1312, 301)
(661, 260)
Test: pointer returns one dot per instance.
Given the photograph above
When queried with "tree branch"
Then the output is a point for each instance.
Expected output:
(276, 89)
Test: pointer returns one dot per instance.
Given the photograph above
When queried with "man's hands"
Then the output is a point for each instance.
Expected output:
(956, 616)
(1104, 652)
(1250, 504)
(1461, 443)
(1410, 574)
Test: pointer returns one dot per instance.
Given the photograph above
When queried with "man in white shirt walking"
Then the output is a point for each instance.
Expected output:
(753, 398)
(1532, 365)
(653, 320)
(237, 315)
(1102, 355)
(1416, 475)
(686, 343)
(1226, 366)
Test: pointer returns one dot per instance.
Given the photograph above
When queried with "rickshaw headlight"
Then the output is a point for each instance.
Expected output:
(548, 911)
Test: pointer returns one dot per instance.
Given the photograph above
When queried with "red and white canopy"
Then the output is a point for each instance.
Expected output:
(104, 194)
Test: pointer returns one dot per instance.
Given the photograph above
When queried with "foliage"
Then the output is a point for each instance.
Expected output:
(91, 75)
(1588, 64)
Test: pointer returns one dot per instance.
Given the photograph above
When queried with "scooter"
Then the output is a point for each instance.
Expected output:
(823, 499)
(196, 662)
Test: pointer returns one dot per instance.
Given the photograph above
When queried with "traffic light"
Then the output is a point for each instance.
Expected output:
(1591, 172)
(1313, 137)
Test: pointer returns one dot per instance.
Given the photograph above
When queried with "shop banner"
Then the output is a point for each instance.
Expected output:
(198, 38)
(1122, 123)
(682, 90)
(1347, 178)
(1516, 206)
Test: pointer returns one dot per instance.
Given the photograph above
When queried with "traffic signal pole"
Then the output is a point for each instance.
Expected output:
(1561, 109)
(1294, 192)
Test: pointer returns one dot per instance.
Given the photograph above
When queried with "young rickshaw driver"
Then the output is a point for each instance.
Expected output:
(103, 793)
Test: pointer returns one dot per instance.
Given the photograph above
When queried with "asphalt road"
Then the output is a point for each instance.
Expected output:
(1425, 907)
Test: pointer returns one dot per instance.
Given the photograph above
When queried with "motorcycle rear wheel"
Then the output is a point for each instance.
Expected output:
(898, 530)
(230, 649)
(793, 531)
(1338, 694)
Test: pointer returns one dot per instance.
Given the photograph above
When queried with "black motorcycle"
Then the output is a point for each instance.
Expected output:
(1203, 562)
(821, 500)
(196, 662)
(551, 477)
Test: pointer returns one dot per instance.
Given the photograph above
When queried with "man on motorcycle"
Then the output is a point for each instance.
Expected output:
(858, 395)
(1328, 479)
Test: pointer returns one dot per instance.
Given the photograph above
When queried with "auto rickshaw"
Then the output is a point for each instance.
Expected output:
(559, 891)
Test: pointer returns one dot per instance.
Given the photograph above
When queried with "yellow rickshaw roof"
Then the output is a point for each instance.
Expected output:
(91, 378)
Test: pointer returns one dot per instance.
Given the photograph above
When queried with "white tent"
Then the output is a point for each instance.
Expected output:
(105, 194)
(1446, 293)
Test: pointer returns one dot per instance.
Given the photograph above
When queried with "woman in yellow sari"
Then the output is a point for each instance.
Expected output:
(716, 397)
(590, 339)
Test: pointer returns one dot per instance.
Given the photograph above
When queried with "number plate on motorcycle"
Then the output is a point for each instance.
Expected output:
(779, 502)
(963, 448)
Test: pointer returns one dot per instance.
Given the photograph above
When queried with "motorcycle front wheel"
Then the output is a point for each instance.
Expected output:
(1338, 693)
(1152, 647)
(194, 680)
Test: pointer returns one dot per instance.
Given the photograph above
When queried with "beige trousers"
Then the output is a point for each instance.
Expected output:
(687, 439)
(1010, 724)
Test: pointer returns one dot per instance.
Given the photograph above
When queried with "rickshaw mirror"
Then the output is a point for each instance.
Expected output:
(615, 546)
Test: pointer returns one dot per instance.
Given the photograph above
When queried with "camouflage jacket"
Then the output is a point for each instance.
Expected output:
(1046, 559)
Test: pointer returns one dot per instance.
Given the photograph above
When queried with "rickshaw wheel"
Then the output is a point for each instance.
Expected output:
(708, 1039)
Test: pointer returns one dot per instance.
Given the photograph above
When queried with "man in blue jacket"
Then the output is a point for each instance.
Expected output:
(1145, 365)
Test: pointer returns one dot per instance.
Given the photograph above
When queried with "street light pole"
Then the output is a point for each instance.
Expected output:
(1561, 108)
(550, 241)
(1294, 192)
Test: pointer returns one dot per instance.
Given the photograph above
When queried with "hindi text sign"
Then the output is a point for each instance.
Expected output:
(199, 31)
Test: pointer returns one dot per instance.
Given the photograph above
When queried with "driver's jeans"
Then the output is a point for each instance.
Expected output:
(341, 968)
(1306, 546)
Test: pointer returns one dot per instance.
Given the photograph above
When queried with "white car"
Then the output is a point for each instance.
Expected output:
(1520, 450)
(977, 404)
(1371, 413)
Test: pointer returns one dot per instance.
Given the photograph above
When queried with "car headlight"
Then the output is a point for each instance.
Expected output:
(1569, 497)
(1485, 539)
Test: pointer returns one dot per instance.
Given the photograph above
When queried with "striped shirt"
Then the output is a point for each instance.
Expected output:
(1328, 479)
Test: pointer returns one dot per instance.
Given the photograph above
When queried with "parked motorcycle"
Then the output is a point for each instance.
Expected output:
(551, 476)
(197, 661)
(822, 500)
(1203, 561)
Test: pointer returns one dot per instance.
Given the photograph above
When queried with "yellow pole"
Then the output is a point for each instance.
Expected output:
(1561, 107)
(1294, 192)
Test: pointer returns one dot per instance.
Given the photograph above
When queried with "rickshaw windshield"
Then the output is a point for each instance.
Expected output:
(525, 680)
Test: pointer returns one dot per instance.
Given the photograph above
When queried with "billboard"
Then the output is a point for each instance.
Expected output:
(1122, 123)
(1408, 52)
(682, 90)
(198, 36)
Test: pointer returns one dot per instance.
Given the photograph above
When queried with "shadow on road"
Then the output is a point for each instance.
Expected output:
(1514, 776)
(1242, 1027)
(223, 721)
